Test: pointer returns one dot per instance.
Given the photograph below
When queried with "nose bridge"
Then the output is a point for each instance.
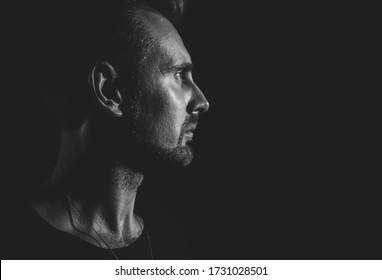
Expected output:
(198, 103)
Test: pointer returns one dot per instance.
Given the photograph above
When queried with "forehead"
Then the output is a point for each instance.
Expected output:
(168, 40)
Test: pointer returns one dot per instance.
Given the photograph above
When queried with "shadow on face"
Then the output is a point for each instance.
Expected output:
(170, 102)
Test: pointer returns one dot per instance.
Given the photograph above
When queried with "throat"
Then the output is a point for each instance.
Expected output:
(101, 228)
(103, 238)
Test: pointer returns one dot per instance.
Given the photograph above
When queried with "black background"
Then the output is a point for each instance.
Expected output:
(284, 165)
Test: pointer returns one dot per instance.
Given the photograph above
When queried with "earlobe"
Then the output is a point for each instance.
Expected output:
(102, 80)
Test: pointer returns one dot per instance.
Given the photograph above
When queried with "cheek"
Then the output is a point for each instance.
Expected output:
(165, 114)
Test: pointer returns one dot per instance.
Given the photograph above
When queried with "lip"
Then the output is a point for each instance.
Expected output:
(188, 135)
(191, 128)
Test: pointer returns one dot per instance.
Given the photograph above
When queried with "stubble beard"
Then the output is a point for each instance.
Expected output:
(180, 156)
(145, 155)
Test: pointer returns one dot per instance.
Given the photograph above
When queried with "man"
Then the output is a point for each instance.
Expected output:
(138, 110)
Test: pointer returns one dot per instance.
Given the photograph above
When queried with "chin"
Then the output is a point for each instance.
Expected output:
(177, 157)
(154, 158)
(186, 157)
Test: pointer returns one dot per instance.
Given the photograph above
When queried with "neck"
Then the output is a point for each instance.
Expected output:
(105, 195)
(100, 191)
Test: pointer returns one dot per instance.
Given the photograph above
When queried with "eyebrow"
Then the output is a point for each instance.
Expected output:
(184, 67)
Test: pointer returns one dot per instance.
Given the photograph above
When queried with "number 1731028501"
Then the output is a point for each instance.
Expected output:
(223, 270)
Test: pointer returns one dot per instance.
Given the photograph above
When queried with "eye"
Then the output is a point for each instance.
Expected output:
(183, 76)
(179, 75)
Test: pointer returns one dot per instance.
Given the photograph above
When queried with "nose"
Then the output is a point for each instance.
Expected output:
(198, 103)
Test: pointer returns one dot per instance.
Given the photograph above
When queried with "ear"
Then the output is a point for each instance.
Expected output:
(103, 84)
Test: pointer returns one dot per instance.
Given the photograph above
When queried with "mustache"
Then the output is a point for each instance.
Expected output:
(190, 122)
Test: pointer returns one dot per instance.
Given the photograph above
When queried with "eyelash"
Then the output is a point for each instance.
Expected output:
(184, 75)
(180, 74)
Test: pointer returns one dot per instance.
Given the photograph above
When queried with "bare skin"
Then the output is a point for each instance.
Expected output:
(108, 210)
(90, 193)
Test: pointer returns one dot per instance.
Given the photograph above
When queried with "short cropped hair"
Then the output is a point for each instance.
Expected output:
(73, 35)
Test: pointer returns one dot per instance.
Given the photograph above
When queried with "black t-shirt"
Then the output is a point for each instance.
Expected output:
(29, 236)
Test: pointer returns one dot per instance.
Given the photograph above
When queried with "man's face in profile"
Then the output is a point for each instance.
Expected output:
(169, 101)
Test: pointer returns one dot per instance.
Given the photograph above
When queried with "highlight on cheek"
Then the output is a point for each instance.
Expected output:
(165, 120)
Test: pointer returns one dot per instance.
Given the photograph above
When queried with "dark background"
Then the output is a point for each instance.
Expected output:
(285, 166)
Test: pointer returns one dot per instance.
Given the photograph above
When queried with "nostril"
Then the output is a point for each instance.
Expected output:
(200, 107)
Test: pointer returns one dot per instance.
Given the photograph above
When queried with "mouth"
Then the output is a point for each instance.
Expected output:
(191, 128)
(189, 132)
(188, 135)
